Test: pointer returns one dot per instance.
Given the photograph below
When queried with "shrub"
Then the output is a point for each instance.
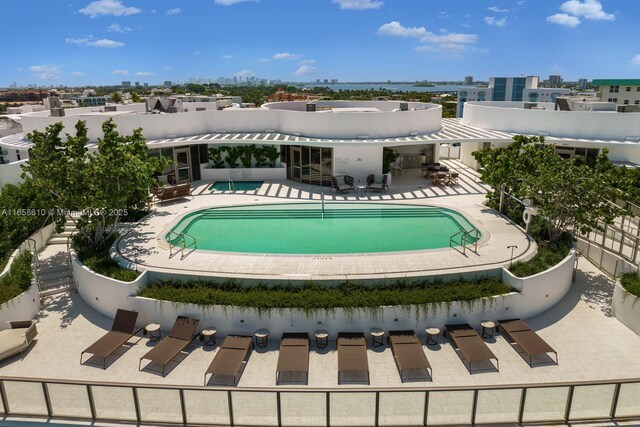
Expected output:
(313, 296)
(548, 255)
(18, 279)
(631, 283)
(98, 259)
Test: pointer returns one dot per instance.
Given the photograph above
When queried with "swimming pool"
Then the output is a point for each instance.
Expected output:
(236, 185)
(302, 228)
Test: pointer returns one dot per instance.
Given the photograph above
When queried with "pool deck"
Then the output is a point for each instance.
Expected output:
(411, 188)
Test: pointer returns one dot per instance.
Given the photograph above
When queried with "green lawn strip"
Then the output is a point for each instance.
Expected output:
(313, 296)
(98, 260)
(18, 279)
(631, 283)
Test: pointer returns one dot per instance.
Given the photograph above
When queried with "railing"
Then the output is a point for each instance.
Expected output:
(615, 400)
(465, 238)
(180, 241)
(35, 263)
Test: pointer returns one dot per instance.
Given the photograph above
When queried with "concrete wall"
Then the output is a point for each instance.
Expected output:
(358, 161)
(380, 124)
(465, 153)
(104, 294)
(10, 173)
(511, 117)
(626, 308)
(537, 294)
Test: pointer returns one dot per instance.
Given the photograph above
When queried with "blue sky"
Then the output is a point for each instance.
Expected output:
(107, 41)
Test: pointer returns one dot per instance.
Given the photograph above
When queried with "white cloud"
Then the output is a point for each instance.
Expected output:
(490, 20)
(358, 4)
(121, 72)
(305, 70)
(636, 59)
(264, 60)
(232, 2)
(589, 9)
(395, 29)
(154, 11)
(144, 74)
(108, 7)
(117, 28)
(450, 38)
(286, 55)
(307, 62)
(244, 74)
(174, 11)
(46, 72)
(564, 19)
(496, 9)
(110, 44)
(227, 56)
(77, 74)
(90, 41)
(443, 14)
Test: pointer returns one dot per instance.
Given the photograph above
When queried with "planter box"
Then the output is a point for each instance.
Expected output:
(626, 308)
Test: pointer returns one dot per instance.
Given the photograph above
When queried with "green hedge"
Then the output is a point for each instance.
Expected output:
(313, 296)
(99, 260)
(631, 282)
(547, 256)
(18, 279)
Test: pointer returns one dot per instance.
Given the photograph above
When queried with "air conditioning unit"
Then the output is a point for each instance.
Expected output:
(404, 106)
(311, 106)
(110, 108)
(57, 112)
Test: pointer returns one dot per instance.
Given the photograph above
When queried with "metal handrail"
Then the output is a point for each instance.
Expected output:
(451, 241)
(182, 243)
(36, 264)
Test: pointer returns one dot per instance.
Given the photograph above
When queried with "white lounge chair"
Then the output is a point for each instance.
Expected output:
(17, 339)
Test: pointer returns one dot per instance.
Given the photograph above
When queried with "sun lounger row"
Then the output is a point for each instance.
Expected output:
(293, 355)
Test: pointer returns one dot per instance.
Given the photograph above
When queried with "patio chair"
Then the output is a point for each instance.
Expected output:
(453, 178)
(408, 354)
(377, 182)
(342, 183)
(181, 335)
(527, 339)
(18, 338)
(471, 346)
(439, 178)
(352, 354)
(123, 328)
(230, 358)
(293, 355)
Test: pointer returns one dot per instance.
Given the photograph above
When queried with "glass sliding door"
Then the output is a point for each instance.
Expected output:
(182, 161)
(296, 163)
(310, 165)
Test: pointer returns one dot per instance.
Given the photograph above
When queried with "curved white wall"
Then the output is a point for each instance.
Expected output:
(10, 173)
(626, 308)
(511, 117)
(537, 294)
(346, 125)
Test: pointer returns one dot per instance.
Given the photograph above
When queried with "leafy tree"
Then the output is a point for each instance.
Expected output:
(102, 185)
(135, 97)
(215, 155)
(272, 154)
(233, 154)
(567, 193)
(258, 154)
(247, 155)
(116, 97)
(388, 156)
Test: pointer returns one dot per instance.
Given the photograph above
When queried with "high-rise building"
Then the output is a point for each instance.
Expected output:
(620, 91)
(326, 80)
(334, 81)
(167, 83)
(126, 84)
(583, 83)
(137, 84)
(468, 81)
(146, 84)
(555, 80)
(500, 89)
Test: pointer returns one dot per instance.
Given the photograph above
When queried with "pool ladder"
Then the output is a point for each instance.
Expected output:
(465, 238)
(322, 202)
(232, 187)
(179, 240)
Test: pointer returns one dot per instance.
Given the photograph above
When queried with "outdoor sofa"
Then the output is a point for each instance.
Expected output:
(527, 339)
(123, 328)
(17, 338)
(172, 192)
(342, 183)
(180, 336)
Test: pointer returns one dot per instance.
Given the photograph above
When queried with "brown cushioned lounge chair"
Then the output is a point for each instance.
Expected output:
(179, 338)
(472, 347)
(529, 341)
(352, 354)
(17, 338)
(123, 328)
(233, 352)
(408, 354)
(293, 355)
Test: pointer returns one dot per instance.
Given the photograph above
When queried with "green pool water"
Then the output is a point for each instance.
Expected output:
(301, 228)
(236, 185)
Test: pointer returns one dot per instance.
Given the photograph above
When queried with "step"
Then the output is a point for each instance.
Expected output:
(54, 274)
(50, 292)
(56, 283)
(65, 233)
(57, 241)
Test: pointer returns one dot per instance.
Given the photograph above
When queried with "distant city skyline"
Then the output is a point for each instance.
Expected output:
(104, 42)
